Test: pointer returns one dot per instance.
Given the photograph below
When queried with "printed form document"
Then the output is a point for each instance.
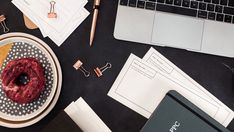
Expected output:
(143, 83)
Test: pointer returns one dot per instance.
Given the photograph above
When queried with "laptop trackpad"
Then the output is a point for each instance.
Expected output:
(177, 31)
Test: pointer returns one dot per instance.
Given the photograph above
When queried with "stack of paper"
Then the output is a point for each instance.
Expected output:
(143, 83)
(70, 14)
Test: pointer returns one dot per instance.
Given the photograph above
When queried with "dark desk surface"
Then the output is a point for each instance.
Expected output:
(205, 69)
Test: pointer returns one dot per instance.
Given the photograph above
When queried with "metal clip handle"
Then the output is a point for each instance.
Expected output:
(52, 13)
(3, 24)
(85, 72)
(107, 66)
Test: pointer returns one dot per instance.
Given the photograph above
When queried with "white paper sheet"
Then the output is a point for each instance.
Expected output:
(141, 87)
(71, 14)
(65, 10)
(81, 113)
(157, 60)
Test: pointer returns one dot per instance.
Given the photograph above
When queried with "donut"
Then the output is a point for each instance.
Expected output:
(23, 80)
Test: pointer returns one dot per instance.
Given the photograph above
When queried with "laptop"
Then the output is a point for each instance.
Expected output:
(205, 26)
(176, 114)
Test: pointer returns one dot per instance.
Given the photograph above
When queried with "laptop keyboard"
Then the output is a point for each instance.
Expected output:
(217, 10)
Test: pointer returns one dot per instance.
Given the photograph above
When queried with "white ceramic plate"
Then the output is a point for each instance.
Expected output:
(14, 121)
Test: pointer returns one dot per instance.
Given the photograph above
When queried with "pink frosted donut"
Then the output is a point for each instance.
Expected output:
(23, 92)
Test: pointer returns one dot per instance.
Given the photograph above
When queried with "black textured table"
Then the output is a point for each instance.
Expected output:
(207, 70)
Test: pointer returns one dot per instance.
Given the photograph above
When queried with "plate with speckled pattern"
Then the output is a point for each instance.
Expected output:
(20, 45)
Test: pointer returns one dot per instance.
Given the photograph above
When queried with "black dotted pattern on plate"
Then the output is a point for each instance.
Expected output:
(23, 50)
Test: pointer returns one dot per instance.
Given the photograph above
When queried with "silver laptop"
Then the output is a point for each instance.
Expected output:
(205, 26)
